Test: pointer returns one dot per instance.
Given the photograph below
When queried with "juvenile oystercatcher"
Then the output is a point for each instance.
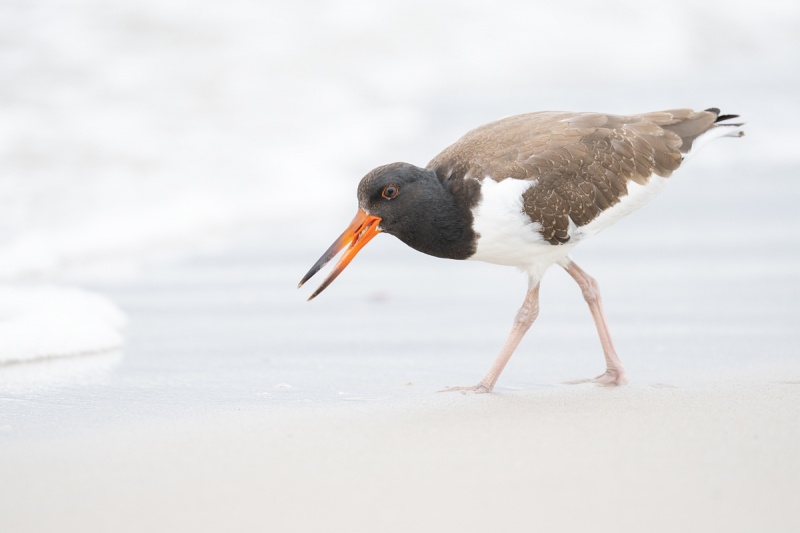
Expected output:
(524, 191)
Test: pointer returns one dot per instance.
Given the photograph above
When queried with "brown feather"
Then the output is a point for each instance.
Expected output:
(582, 162)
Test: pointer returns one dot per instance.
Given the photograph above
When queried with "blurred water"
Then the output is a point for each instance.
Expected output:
(133, 127)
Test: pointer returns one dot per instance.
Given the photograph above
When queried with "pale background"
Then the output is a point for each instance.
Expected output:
(169, 171)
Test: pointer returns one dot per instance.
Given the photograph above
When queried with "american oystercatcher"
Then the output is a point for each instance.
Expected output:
(524, 191)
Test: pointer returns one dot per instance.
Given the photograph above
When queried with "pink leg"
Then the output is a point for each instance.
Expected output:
(614, 374)
(525, 317)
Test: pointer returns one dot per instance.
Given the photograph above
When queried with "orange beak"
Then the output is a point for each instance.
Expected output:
(363, 228)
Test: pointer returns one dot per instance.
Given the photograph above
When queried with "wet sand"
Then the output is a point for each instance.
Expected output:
(568, 458)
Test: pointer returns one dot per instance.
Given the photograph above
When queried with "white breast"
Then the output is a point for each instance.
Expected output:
(506, 235)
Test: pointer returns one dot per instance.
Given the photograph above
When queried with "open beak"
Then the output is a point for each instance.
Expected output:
(363, 228)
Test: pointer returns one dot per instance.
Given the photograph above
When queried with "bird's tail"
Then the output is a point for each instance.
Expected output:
(730, 129)
(721, 127)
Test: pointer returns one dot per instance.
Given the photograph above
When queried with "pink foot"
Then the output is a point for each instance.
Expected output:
(609, 378)
(480, 388)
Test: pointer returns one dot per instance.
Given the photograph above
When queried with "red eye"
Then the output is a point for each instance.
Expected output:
(390, 191)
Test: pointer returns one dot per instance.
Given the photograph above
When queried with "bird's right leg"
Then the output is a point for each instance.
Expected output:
(525, 317)
(615, 373)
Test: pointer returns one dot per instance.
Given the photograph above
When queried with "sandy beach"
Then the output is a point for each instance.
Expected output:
(567, 458)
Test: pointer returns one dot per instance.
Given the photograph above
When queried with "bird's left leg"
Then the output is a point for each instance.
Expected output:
(525, 317)
(615, 373)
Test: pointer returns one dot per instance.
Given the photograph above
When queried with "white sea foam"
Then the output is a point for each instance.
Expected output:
(46, 322)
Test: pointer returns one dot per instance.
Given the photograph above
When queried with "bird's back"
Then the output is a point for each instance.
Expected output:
(579, 165)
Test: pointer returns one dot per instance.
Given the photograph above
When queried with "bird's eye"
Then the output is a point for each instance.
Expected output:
(390, 191)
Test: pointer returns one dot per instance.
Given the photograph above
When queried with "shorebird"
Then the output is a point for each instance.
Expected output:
(525, 190)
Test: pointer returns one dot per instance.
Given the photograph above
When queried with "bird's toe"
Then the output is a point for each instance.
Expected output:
(609, 378)
(612, 377)
(480, 388)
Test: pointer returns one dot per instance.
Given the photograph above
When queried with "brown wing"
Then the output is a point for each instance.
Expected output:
(582, 161)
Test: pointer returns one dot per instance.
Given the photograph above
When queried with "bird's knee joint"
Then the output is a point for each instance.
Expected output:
(526, 315)
(590, 290)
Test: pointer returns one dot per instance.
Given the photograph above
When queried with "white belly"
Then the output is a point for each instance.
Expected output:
(637, 196)
(507, 236)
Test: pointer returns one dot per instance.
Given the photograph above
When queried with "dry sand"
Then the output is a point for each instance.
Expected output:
(566, 458)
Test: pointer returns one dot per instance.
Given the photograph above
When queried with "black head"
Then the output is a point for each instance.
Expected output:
(412, 204)
(399, 194)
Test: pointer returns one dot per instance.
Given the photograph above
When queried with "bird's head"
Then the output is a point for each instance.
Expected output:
(390, 198)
